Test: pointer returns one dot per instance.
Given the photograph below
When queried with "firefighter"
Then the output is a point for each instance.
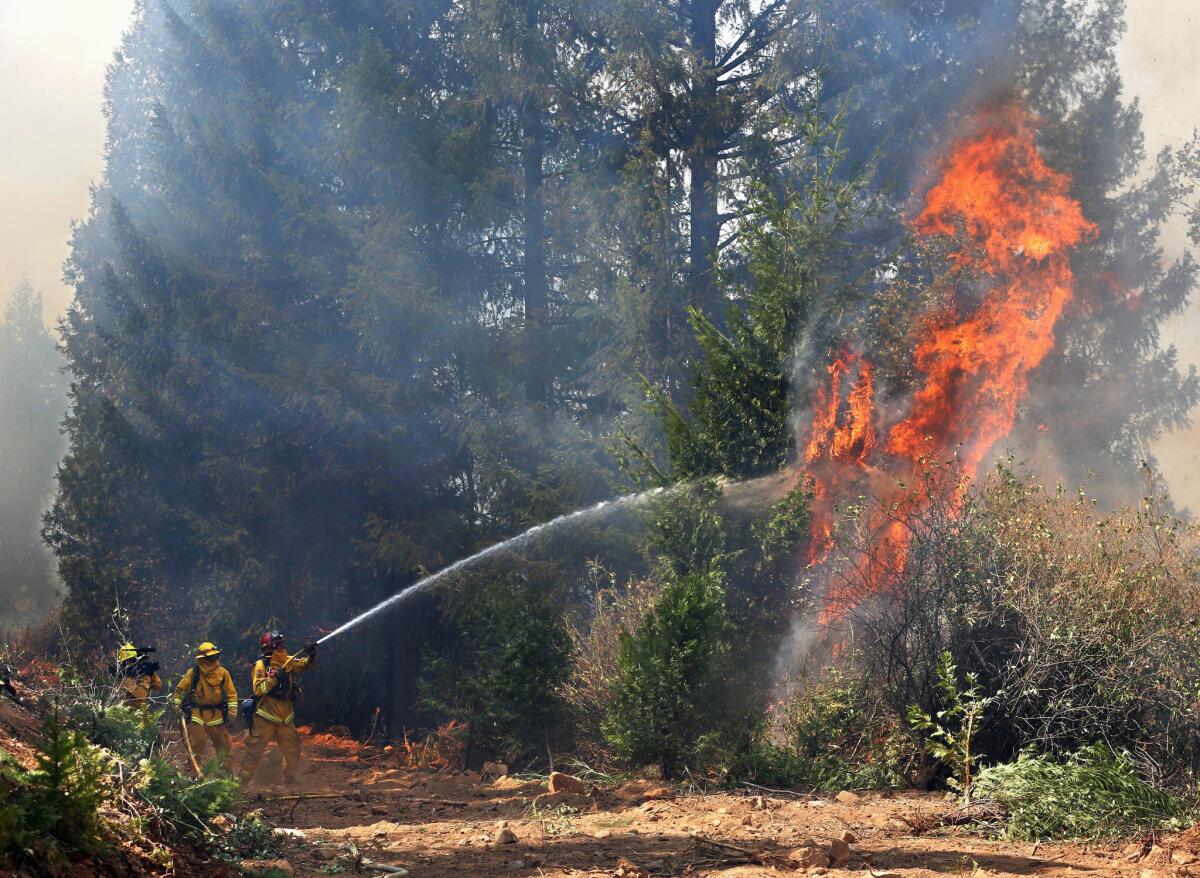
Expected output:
(208, 698)
(138, 676)
(274, 715)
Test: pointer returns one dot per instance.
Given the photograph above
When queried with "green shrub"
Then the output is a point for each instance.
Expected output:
(56, 806)
(1094, 793)
(251, 838)
(185, 803)
(129, 733)
(784, 526)
(830, 737)
(950, 731)
(767, 763)
(658, 713)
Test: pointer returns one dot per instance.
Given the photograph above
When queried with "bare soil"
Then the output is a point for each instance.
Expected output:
(452, 824)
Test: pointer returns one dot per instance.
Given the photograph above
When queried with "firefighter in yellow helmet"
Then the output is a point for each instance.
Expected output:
(274, 718)
(207, 697)
(137, 675)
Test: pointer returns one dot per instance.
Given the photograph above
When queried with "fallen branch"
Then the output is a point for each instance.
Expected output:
(381, 867)
(761, 788)
(965, 815)
(453, 803)
(360, 862)
(298, 797)
(726, 845)
(758, 858)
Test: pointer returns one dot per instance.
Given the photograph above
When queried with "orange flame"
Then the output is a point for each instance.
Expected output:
(1015, 225)
(836, 443)
(1020, 225)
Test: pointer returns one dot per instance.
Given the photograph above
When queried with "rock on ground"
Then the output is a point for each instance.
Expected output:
(566, 783)
(260, 866)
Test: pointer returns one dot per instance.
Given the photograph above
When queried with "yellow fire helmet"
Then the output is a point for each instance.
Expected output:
(207, 650)
(127, 651)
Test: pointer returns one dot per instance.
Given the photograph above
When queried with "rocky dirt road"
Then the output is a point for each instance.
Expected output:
(438, 824)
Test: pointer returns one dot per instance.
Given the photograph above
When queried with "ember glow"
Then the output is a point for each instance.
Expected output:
(1014, 225)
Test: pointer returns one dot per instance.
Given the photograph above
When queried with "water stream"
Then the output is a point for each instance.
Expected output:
(511, 543)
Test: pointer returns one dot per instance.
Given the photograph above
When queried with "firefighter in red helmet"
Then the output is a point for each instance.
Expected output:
(273, 683)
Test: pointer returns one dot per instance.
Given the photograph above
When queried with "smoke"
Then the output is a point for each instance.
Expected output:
(32, 402)
(1155, 59)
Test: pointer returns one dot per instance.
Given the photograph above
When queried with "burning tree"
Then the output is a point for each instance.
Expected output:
(1014, 225)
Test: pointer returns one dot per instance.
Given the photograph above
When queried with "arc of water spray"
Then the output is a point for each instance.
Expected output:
(511, 543)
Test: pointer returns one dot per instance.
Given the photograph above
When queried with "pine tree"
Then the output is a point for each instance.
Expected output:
(711, 96)
(658, 713)
(801, 260)
(233, 429)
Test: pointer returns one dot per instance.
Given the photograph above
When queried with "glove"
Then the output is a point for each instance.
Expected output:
(311, 649)
(272, 673)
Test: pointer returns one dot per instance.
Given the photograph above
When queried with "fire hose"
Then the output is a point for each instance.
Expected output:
(187, 741)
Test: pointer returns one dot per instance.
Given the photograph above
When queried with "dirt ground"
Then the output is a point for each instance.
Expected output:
(444, 824)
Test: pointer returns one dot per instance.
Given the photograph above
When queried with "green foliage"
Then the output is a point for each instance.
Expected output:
(1096, 792)
(830, 737)
(55, 807)
(68, 784)
(785, 526)
(799, 258)
(127, 732)
(251, 837)
(186, 803)
(558, 820)
(64, 806)
(507, 678)
(687, 530)
(658, 712)
(950, 731)
(737, 418)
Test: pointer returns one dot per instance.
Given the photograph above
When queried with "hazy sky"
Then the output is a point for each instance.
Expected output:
(52, 59)
(1159, 64)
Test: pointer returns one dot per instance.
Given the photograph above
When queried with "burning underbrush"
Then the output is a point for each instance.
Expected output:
(1035, 654)
(1081, 624)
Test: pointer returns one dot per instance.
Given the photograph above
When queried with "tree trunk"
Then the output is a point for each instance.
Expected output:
(702, 160)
